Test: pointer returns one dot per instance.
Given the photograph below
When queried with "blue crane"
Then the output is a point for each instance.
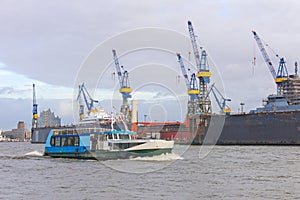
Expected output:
(89, 101)
(125, 89)
(34, 108)
(203, 73)
(220, 99)
(191, 83)
(282, 73)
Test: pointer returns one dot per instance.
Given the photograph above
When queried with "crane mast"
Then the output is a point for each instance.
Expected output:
(34, 108)
(194, 43)
(203, 73)
(192, 88)
(282, 73)
(199, 122)
(125, 89)
(191, 83)
(265, 54)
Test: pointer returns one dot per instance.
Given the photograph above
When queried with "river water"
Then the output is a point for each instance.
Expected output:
(192, 172)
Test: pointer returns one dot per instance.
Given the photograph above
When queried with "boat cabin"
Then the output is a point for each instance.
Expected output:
(91, 139)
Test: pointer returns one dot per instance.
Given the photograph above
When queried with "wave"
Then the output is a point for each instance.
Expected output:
(162, 157)
(34, 154)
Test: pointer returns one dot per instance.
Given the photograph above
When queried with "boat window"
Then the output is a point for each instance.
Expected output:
(70, 141)
(76, 141)
(101, 138)
(63, 141)
(110, 136)
(57, 141)
(52, 141)
(124, 136)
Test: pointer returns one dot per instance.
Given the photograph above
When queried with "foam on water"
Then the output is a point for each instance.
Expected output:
(34, 154)
(162, 157)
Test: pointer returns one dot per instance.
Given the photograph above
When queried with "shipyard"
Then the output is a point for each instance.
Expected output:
(147, 100)
(262, 126)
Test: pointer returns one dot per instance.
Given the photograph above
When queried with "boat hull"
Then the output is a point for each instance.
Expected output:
(110, 155)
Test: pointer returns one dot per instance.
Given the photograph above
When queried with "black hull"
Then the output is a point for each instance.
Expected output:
(39, 135)
(277, 128)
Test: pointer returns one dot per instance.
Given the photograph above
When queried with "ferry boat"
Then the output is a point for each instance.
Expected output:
(102, 144)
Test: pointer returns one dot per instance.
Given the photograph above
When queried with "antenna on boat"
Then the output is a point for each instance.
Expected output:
(112, 118)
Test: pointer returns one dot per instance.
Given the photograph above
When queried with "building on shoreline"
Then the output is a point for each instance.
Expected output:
(47, 118)
(18, 134)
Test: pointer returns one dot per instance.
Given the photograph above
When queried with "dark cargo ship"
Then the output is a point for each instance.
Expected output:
(276, 123)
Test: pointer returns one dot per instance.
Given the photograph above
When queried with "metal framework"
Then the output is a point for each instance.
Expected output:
(125, 89)
(203, 74)
(34, 108)
(282, 73)
(192, 88)
(89, 101)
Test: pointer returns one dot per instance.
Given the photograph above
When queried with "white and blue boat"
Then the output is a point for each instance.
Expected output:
(102, 144)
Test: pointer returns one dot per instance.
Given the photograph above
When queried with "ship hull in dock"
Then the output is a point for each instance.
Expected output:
(272, 128)
(277, 128)
(268, 128)
(39, 135)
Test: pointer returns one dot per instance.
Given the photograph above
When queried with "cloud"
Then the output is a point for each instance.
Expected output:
(46, 44)
(6, 90)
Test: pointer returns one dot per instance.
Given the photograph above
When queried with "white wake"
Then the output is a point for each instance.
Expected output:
(34, 154)
(162, 157)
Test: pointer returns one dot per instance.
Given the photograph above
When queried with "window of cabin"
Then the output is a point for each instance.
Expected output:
(52, 141)
(70, 141)
(57, 141)
(124, 136)
(76, 141)
(63, 141)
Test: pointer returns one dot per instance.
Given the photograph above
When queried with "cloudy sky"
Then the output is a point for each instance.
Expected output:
(47, 42)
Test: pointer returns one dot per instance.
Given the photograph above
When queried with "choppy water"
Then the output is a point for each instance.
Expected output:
(227, 172)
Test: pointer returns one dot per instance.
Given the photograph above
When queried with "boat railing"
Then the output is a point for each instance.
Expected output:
(79, 131)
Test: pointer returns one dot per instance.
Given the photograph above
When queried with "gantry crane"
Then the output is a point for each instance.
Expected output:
(34, 109)
(220, 99)
(192, 87)
(203, 73)
(89, 101)
(125, 89)
(282, 73)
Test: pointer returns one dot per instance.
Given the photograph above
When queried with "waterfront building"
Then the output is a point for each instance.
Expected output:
(47, 118)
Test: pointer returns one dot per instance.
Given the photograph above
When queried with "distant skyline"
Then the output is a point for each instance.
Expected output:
(46, 42)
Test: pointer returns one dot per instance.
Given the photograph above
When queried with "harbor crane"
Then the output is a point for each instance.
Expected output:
(203, 73)
(34, 108)
(220, 99)
(282, 73)
(199, 122)
(89, 101)
(125, 89)
(192, 87)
